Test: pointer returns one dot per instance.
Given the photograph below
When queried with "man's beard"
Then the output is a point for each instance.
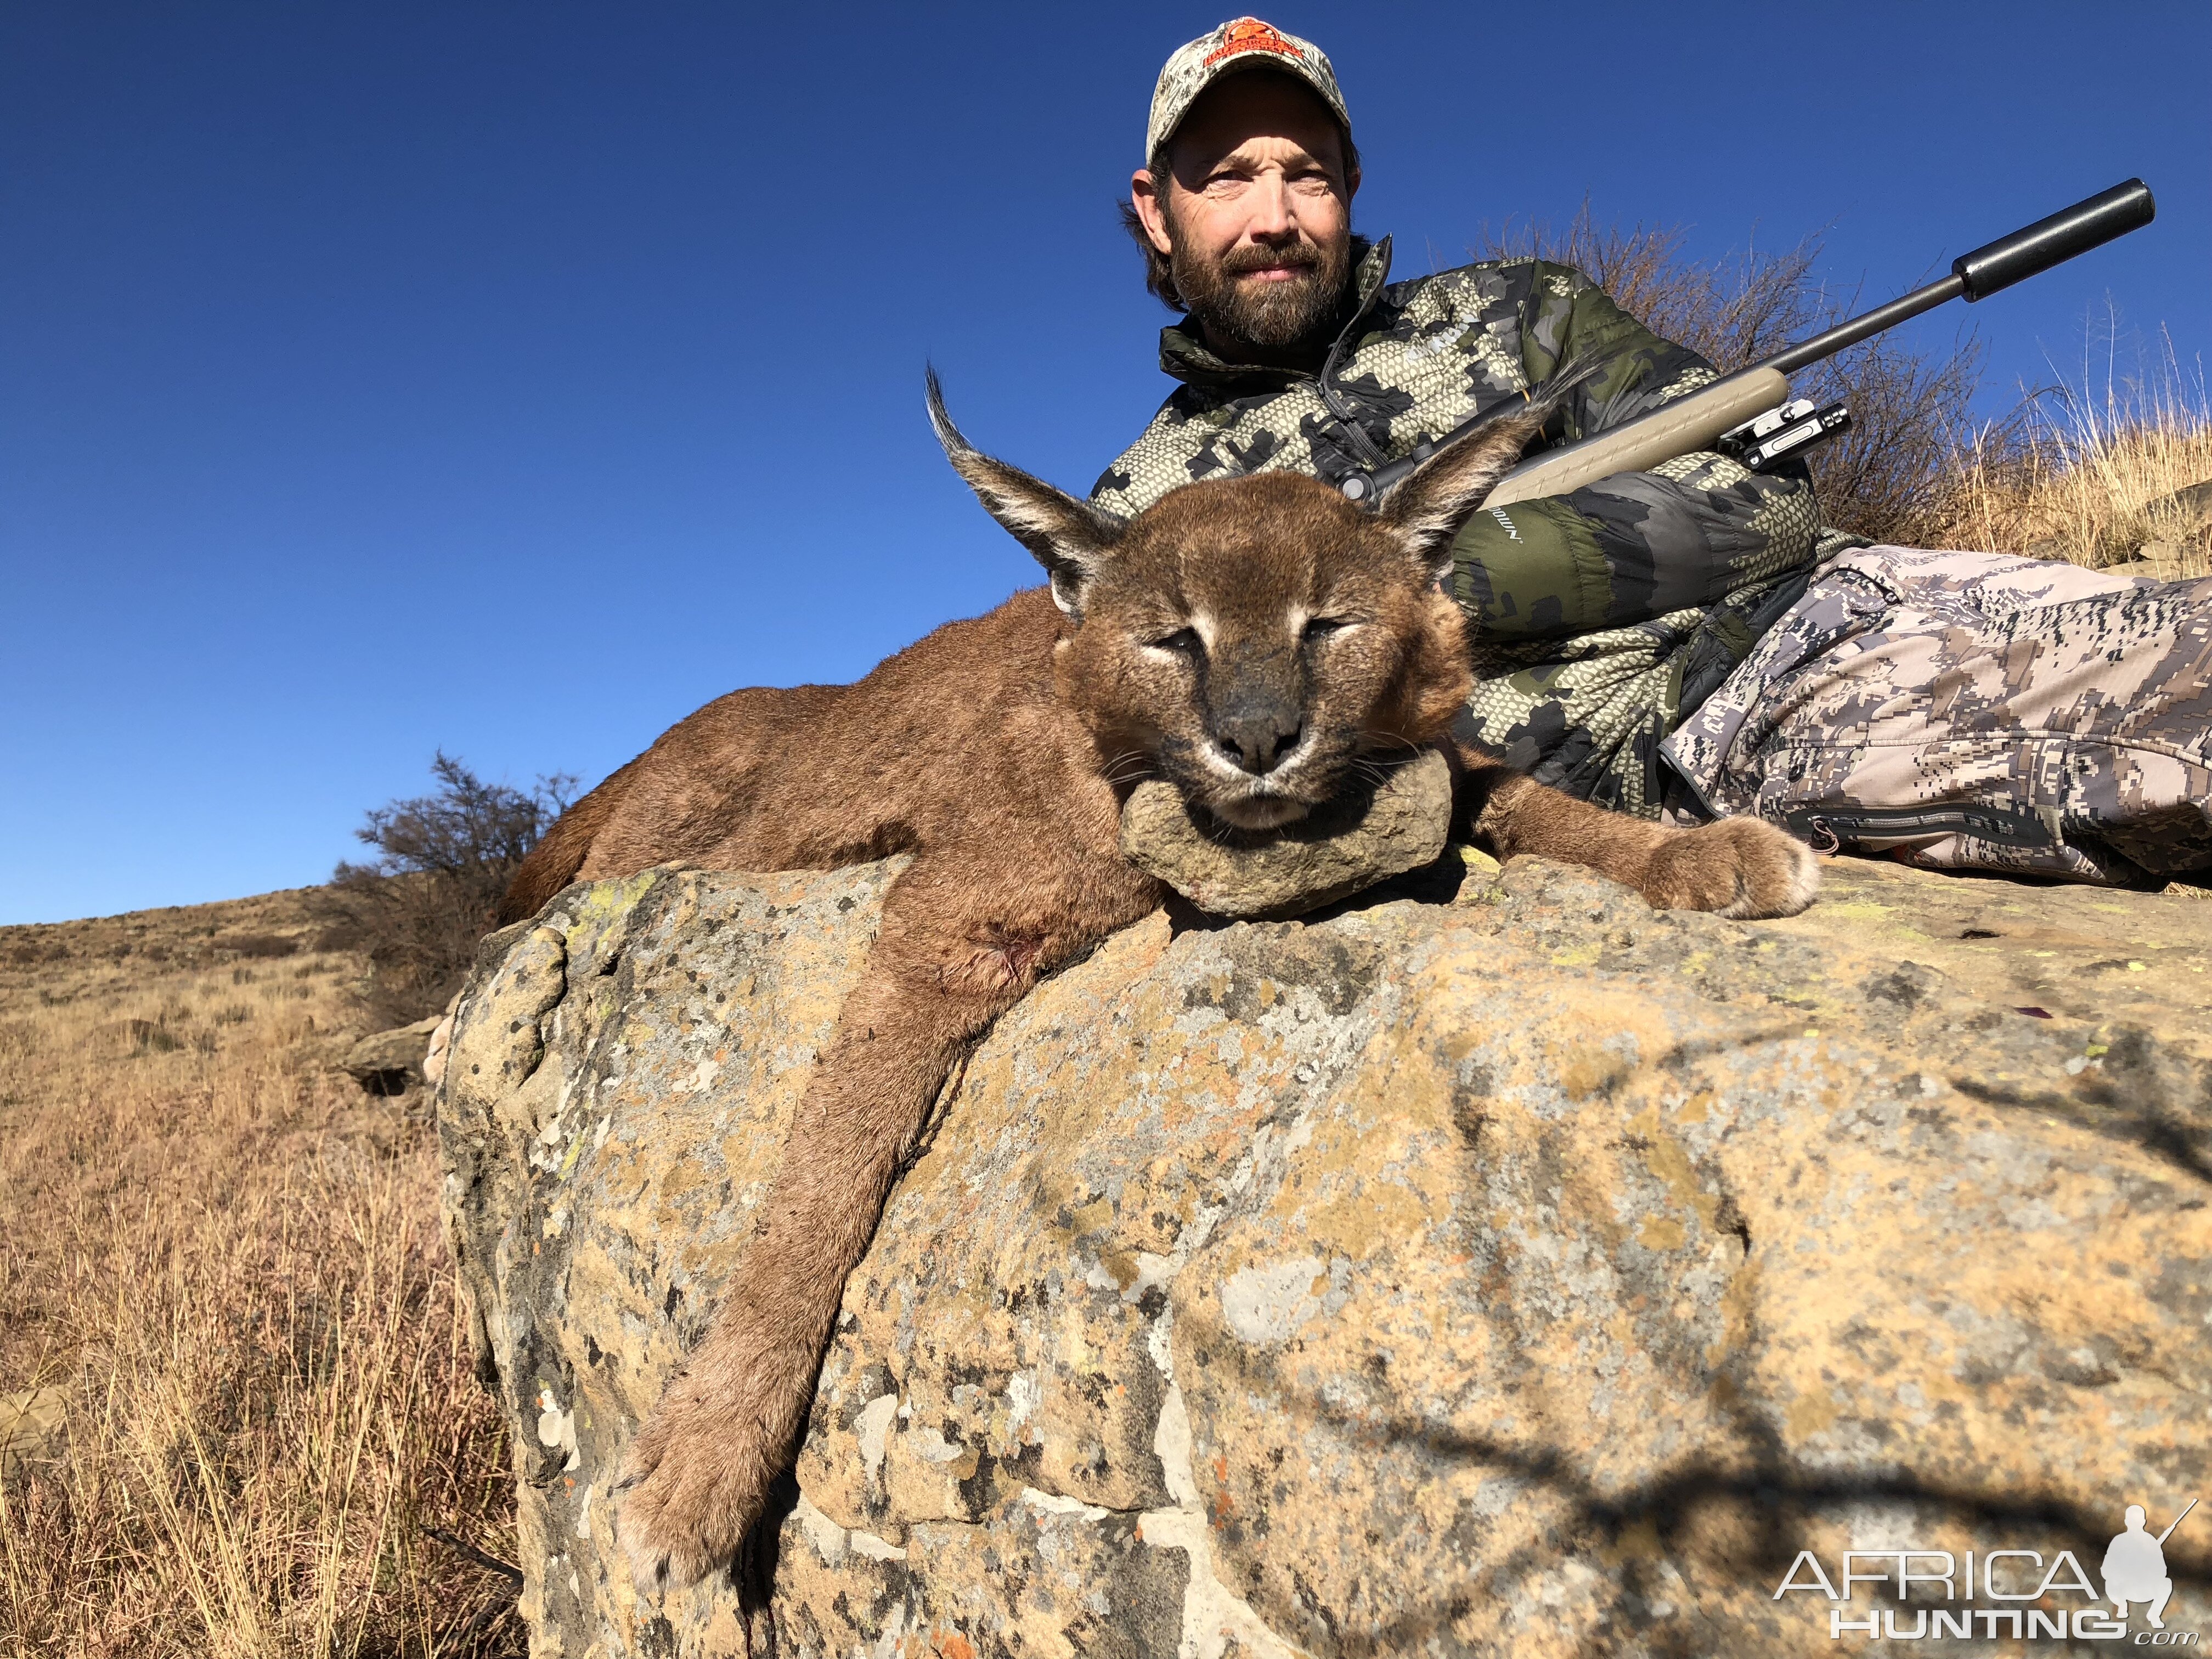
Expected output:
(1284, 318)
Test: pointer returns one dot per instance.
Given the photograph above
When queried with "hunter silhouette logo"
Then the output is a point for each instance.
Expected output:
(2134, 1572)
(2134, 1566)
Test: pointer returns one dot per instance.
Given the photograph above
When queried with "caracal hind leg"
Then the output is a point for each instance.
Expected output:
(959, 945)
(1739, 867)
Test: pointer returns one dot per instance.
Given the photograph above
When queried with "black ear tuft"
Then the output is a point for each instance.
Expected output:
(940, 418)
(1069, 538)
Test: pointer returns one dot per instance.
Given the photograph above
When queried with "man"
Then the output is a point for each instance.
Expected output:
(1690, 641)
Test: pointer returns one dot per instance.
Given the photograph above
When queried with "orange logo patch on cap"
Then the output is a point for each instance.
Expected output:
(1248, 34)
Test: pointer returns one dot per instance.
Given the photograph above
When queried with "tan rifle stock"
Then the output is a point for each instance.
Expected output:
(1690, 422)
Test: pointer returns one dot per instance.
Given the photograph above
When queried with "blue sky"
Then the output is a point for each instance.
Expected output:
(515, 379)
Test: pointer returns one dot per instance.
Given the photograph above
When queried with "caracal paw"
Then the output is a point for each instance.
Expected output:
(1738, 868)
(696, 1479)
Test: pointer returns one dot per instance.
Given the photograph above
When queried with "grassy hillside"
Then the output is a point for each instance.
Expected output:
(222, 1261)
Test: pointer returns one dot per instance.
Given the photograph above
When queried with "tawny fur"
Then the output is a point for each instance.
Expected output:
(1260, 641)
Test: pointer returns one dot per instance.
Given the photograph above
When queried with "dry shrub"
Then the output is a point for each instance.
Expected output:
(417, 909)
(228, 1261)
(1890, 476)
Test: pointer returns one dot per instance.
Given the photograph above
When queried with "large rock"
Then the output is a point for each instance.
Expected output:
(33, 1426)
(391, 1062)
(2194, 501)
(1520, 1272)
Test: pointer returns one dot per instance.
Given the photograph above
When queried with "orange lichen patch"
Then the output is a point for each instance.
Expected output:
(1661, 1232)
(1811, 1413)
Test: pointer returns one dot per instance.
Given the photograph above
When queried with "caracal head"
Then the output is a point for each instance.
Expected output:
(1256, 640)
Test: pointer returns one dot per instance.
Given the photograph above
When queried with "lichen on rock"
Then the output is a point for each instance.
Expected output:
(1511, 1271)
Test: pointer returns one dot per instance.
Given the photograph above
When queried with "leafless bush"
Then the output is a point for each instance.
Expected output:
(417, 909)
(1890, 476)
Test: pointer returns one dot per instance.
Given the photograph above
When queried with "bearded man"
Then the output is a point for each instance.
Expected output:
(1689, 641)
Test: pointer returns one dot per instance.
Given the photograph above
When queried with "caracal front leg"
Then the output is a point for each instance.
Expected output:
(958, 946)
(1739, 867)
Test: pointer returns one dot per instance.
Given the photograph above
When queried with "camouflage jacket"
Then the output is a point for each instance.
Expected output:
(1602, 618)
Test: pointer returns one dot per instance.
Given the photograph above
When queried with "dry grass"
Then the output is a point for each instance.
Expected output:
(228, 1261)
(2089, 474)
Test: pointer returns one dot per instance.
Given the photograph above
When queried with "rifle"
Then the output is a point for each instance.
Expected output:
(2177, 1520)
(1749, 411)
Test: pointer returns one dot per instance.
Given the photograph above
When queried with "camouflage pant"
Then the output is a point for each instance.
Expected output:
(1974, 711)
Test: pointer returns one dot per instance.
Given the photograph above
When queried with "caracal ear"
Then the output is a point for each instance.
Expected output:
(1427, 506)
(1069, 538)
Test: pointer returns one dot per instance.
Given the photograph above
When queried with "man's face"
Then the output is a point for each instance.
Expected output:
(1257, 218)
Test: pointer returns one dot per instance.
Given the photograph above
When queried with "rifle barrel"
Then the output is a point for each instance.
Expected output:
(1844, 335)
(1691, 422)
(2030, 250)
(2177, 1520)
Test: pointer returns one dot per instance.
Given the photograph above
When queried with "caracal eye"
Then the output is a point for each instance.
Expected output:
(1184, 643)
(1321, 628)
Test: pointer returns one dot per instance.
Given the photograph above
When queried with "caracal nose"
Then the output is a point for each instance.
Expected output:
(1258, 743)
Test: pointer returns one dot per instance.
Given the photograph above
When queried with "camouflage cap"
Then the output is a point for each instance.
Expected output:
(1242, 43)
